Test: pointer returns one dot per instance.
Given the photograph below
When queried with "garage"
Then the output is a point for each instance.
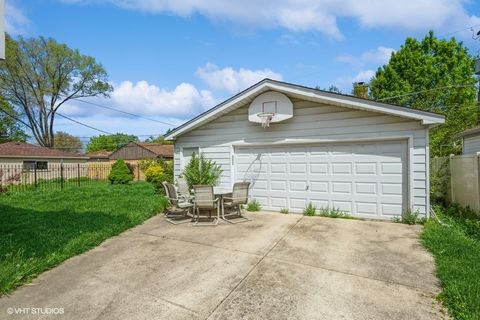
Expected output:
(363, 179)
(298, 145)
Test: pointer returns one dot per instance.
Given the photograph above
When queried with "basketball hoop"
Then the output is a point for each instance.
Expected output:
(265, 118)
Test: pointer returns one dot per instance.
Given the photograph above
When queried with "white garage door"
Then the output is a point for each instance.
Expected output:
(364, 179)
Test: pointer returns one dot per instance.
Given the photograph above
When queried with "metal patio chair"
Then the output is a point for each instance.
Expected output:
(205, 201)
(179, 210)
(234, 202)
(183, 189)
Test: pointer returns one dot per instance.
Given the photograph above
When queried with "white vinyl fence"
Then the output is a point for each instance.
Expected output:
(457, 178)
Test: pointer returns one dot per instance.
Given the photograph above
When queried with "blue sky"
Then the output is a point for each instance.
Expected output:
(170, 60)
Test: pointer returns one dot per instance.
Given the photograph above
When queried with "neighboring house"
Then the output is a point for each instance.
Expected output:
(31, 156)
(25, 162)
(368, 158)
(99, 156)
(143, 150)
(471, 140)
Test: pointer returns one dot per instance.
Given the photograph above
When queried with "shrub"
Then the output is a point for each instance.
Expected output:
(120, 173)
(409, 217)
(284, 210)
(334, 213)
(254, 205)
(201, 171)
(310, 209)
(156, 171)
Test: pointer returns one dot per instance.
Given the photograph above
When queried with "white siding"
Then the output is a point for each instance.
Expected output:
(471, 145)
(312, 122)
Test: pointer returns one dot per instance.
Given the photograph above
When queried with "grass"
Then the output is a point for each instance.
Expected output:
(456, 249)
(310, 209)
(40, 229)
(334, 213)
(254, 205)
(284, 210)
(410, 217)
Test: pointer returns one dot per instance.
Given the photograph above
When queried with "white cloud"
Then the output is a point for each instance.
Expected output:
(316, 15)
(16, 22)
(233, 80)
(379, 56)
(147, 100)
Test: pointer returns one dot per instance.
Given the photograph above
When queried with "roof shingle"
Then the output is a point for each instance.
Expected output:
(23, 149)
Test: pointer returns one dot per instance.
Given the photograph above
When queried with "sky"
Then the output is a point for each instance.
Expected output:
(171, 60)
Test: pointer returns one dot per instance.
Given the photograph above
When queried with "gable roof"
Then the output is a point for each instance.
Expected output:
(304, 93)
(161, 150)
(139, 150)
(25, 150)
(469, 132)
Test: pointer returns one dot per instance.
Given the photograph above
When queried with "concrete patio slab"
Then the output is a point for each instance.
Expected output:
(274, 267)
(283, 290)
(384, 251)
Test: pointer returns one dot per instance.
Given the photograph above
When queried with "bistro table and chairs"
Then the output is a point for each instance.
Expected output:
(207, 205)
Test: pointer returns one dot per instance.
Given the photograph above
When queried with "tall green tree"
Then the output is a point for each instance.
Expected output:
(10, 129)
(109, 142)
(67, 142)
(442, 72)
(40, 75)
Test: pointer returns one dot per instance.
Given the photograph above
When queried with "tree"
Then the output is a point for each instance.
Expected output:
(67, 142)
(333, 88)
(433, 75)
(39, 75)
(109, 142)
(159, 139)
(10, 129)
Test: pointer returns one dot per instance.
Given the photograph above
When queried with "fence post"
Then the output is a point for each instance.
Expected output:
(61, 175)
(452, 193)
(35, 175)
(478, 180)
(78, 174)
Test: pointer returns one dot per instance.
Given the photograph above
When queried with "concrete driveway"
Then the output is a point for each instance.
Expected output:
(274, 267)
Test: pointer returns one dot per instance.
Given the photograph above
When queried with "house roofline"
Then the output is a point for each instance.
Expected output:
(43, 157)
(427, 118)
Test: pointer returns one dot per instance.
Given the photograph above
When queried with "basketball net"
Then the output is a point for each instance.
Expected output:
(266, 118)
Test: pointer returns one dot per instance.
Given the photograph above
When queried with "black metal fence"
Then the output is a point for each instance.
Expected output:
(46, 176)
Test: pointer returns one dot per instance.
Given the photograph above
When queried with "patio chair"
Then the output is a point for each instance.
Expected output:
(205, 201)
(179, 210)
(183, 189)
(234, 202)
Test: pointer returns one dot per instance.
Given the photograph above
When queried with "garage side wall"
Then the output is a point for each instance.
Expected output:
(311, 122)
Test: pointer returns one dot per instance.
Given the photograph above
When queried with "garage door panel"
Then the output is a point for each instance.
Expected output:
(278, 203)
(369, 208)
(297, 204)
(298, 185)
(366, 188)
(342, 205)
(365, 179)
(296, 168)
(341, 168)
(366, 168)
(342, 187)
(278, 185)
(319, 168)
(319, 186)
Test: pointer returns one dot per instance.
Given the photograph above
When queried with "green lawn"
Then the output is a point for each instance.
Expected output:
(456, 249)
(40, 229)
